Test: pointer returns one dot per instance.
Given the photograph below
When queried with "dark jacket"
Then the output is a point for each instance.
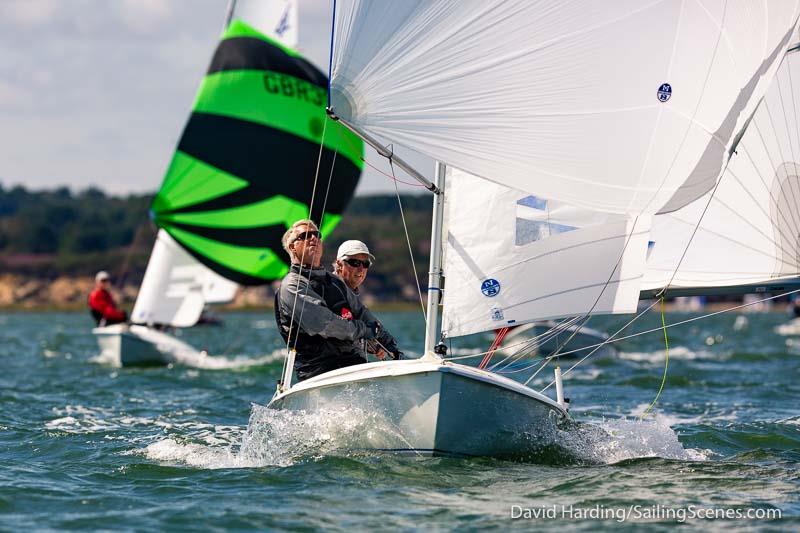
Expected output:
(328, 319)
(383, 340)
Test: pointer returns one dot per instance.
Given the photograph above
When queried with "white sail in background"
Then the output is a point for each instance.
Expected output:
(623, 107)
(277, 19)
(216, 289)
(751, 230)
(171, 292)
(512, 258)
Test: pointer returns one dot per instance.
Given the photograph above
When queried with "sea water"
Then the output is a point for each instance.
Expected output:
(85, 445)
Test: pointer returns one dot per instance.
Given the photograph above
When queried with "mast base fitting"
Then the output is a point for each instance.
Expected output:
(440, 349)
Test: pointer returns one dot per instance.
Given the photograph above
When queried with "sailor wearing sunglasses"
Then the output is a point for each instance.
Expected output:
(317, 314)
(352, 264)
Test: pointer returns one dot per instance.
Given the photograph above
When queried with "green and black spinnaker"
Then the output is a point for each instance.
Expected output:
(245, 166)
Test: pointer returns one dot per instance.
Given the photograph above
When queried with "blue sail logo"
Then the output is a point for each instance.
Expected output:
(664, 92)
(490, 287)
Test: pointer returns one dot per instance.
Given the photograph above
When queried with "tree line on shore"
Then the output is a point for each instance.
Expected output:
(51, 233)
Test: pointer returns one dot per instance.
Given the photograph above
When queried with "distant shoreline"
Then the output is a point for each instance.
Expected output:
(399, 306)
(27, 307)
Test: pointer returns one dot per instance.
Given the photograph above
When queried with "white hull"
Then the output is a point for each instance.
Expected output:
(436, 408)
(581, 344)
(124, 345)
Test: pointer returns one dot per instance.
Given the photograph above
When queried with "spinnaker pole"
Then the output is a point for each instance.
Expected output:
(385, 152)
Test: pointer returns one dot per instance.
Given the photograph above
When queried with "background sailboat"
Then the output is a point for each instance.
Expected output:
(242, 172)
(743, 236)
(622, 110)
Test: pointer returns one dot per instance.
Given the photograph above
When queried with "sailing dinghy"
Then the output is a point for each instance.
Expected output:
(607, 113)
(239, 176)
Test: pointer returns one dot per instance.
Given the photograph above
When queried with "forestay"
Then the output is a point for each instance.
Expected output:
(751, 230)
(621, 107)
(512, 258)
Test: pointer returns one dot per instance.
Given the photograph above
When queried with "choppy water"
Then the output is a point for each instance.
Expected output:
(84, 445)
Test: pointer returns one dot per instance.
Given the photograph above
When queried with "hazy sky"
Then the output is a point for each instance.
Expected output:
(96, 92)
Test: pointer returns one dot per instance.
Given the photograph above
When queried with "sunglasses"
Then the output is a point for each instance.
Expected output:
(355, 263)
(307, 235)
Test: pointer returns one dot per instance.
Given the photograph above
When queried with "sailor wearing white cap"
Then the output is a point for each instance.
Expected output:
(352, 264)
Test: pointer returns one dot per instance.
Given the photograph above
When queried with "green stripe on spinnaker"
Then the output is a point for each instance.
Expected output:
(256, 262)
(190, 181)
(328, 223)
(294, 106)
(274, 210)
(238, 28)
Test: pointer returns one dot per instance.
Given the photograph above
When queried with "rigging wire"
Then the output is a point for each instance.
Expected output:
(663, 291)
(376, 169)
(302, 258)
(596, 301)
(534, 343)
(498, 340)
(408, 241)
(612, 338)
(666, 363)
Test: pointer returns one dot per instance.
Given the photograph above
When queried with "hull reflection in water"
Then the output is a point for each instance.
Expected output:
(434, 408)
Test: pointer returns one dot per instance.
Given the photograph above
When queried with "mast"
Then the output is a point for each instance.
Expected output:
(432, 331)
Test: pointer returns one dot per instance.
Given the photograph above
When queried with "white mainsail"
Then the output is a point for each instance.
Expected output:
(176, 287)
(750, 232)
(172, 290)
(512, 258)
(623, 107)
(216, 289)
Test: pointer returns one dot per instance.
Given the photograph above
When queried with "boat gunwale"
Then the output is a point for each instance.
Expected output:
(388, 369)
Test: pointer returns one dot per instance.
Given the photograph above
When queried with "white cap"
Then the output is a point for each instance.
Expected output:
(100, 276)
(350, 248)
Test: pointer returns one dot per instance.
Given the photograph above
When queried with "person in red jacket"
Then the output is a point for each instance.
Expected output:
(101, 303)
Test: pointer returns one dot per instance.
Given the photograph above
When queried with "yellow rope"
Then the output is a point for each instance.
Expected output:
(666, 363)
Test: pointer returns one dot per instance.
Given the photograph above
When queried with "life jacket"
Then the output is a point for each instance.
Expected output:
(317, 354)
